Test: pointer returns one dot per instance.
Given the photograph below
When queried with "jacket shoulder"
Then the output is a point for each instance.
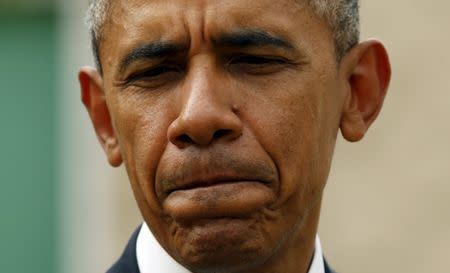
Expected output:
(127, 263)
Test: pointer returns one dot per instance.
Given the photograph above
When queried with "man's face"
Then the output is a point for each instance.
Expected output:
(226, 114)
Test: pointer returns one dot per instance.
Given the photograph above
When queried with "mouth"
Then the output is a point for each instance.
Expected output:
(214, 181)
(217, 196)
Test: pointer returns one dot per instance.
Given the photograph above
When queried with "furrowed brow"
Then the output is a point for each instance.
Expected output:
(154, 50)
(251, 38)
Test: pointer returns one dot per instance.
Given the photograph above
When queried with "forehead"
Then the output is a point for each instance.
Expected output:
(157, 16)
(133, 22)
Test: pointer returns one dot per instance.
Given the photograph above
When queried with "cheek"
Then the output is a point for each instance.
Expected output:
(141, 125)
(296, 129)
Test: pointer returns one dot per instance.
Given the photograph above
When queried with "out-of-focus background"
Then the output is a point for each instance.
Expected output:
(63, 210)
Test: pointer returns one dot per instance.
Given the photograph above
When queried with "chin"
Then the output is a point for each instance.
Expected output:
(222, 245)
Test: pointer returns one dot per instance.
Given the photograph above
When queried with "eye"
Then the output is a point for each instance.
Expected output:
(256, 65)
(255, 60)
(154, 77)
(152, 73)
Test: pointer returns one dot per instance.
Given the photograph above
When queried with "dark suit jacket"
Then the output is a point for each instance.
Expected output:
(127, 263)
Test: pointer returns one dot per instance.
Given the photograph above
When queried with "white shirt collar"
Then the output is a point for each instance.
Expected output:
(147, 246)
(317, 265)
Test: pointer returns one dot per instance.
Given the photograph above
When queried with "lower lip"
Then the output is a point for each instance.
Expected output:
(234, 199)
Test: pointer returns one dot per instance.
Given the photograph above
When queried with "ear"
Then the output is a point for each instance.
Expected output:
(93, 98)
(367, 73)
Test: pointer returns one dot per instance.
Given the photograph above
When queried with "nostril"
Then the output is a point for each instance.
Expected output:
(184, 138)
(221, 133)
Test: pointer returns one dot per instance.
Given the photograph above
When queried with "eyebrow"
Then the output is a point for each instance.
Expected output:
(251, 38)
(237, 39)
(153, 50)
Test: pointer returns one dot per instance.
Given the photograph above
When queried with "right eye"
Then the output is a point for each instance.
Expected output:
(154, 77)
(152, 73)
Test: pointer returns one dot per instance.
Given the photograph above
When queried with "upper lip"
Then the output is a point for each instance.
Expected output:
(211, 180)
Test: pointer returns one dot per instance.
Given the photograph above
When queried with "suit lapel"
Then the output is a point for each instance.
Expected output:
(327, 267)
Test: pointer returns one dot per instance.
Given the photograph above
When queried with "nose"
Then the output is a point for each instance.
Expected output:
(207, 112)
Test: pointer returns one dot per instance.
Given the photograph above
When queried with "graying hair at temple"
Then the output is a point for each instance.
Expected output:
(342, 17)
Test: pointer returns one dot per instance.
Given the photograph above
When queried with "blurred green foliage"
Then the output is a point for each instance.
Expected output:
(28, 142)
(25, 6)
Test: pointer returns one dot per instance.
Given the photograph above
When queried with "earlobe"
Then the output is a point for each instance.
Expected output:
(367, 72)
(112, 150)
(93, 98)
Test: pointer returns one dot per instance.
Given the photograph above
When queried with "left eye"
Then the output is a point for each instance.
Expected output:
(255, 60)
(256, 65)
